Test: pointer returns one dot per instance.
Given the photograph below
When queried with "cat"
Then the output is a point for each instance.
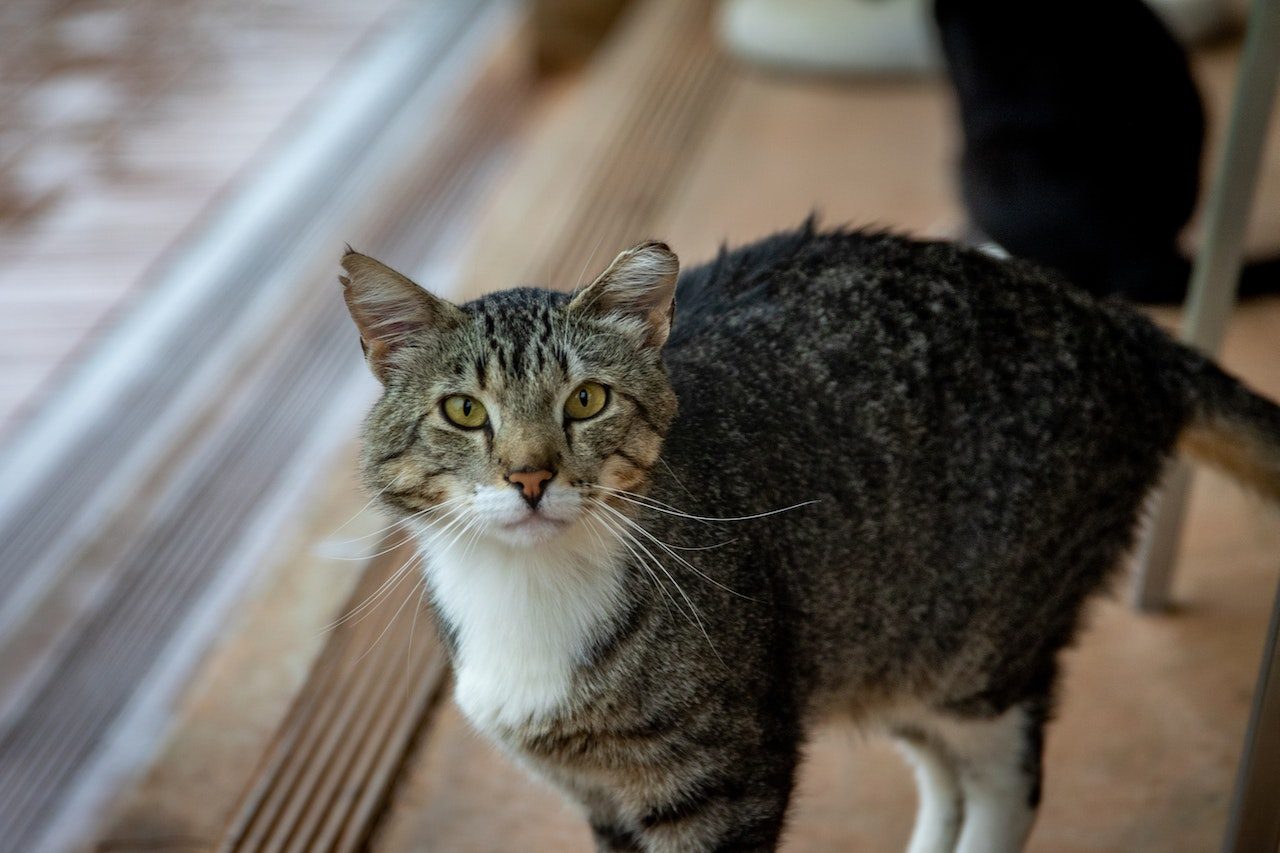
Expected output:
(851, 474)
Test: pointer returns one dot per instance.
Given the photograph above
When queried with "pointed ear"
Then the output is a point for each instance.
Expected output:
(389, 309)
(640, 283)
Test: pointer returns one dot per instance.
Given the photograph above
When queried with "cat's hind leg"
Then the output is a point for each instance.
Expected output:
(938, 788)
(997, 763)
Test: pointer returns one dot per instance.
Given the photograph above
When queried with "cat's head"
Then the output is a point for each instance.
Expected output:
(509, 415)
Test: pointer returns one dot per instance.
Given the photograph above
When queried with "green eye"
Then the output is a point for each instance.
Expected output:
(466, 412)
(586, 401)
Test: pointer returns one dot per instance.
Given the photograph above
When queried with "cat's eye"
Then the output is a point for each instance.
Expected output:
(586, 401)
(466, 412)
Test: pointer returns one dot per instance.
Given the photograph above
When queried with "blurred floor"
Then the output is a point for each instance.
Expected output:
(292, 735)
(120, 121)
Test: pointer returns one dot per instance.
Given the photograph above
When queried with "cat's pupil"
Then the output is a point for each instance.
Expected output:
(583, 397)
(466, 408)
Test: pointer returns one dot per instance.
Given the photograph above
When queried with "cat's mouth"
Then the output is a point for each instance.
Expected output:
(535, 525)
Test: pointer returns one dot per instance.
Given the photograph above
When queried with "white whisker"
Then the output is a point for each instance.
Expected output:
(642, 500)
(408, 653)
(390, 621)
(365, 557)
(468, 524)
(649, 572)
(659, 506)
(679, 482)
(471, 525)
(697, 618)
(365, 507)
(392, 526)
(690, 566)
(370, 603)
(391, 582)
(590, 257)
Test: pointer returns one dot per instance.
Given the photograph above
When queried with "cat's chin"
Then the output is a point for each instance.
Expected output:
(533, 529)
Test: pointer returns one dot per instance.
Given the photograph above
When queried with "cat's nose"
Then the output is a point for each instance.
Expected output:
(530, 482)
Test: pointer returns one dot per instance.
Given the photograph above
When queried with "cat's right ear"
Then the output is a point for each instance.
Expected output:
(389, 309)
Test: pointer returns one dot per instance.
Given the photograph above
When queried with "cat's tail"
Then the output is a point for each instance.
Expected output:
(1233, 429)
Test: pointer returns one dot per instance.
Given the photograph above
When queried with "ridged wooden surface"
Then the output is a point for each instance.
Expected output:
(334, 760)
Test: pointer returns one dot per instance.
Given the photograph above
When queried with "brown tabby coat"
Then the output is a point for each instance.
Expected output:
(961, 445)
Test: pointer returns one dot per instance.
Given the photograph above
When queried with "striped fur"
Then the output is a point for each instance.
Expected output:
(961, 446)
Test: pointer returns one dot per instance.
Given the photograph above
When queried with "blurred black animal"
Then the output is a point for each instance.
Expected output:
(1083, 134)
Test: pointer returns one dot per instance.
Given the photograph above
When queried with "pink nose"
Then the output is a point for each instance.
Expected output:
(530, 483)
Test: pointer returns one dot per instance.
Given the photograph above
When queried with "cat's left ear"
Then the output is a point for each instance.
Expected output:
(639, 284)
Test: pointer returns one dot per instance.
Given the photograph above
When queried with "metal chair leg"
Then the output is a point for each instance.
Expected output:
(1255, 808)
(1217, 271)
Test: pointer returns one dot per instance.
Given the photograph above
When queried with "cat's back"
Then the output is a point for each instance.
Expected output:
(873, 283)
(865, 361)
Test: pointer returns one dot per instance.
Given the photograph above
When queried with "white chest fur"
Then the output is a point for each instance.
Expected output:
(525, 616)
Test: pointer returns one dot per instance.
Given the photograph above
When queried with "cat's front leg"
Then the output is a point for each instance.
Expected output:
(717, 823)
(611, 832)
(613, 836)
(740, 806)
(730, 819)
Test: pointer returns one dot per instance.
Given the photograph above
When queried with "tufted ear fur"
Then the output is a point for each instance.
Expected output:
(389, 309)
(639, 284)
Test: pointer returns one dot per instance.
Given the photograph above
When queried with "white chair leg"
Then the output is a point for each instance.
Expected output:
(1217, 270)
(1158, 551)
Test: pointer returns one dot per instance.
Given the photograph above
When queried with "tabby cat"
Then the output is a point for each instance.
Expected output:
(853, 474)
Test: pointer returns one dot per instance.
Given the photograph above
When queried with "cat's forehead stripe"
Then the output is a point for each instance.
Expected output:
(518, 328)
(518, 341)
